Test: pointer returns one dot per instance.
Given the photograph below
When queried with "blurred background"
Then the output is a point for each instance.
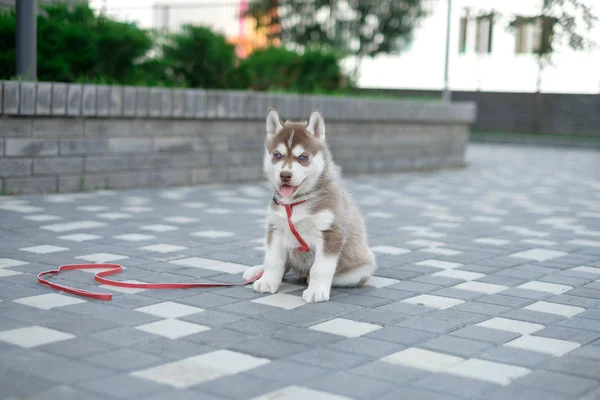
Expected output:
(532, 66)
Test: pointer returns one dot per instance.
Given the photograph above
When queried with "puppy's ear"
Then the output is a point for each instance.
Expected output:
(316, 125)
(274, 124)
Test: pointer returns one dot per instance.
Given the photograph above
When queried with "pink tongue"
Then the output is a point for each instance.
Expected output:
(286, 190)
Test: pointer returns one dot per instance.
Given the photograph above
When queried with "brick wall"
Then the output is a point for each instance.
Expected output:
(58, 137)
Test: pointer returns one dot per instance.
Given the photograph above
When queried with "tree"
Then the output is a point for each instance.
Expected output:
(364, 28)
(559, 21)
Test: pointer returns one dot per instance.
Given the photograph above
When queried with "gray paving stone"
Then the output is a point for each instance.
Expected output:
(19, 385)
(454, 385)
(120, 386)
(526, 293)
(219, 337)
(588, 351)
(482, 308)
(557, 382)
(351, 385)
(307, 336)
(406, 308)
(483, 334)
(502, 300)
(327, 358)
(517, 392)
(172, 349)
(456, 346)
(513, 356)
(533, 316)
(378, 317)
(64, 392)
(78, 348)
(270, 348)
(288, 373)
(575, 335)
(124, 360)
(366, 346)
(125, 336)
(581, 323)
(431, 324)
(240, 386)
(404, 336)
(585, 368)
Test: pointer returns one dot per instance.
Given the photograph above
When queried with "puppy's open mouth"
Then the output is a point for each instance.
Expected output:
(287, 190)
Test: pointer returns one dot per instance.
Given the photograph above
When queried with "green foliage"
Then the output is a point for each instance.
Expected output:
(560, 21)
(362, 28)
(279, 69)
(74, 44)
(198, 57)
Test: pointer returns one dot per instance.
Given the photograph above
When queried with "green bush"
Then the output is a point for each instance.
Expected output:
(76, 45)
(199, 58)
(276, 68)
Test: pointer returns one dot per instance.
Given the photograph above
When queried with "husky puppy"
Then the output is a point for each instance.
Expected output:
(329, 246)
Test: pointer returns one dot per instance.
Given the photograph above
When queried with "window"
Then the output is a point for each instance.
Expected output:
(464, 22)
(529, 35)
(483, 34)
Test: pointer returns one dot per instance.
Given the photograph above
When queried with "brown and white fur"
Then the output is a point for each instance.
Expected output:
(299, 166)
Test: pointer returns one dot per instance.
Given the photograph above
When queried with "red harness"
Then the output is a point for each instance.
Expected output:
(288, 211)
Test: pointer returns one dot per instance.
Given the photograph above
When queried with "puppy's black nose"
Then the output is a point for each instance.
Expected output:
(285, 176)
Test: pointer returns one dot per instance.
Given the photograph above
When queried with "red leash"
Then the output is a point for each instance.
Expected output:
(288, 210)
(112, 269)
(115, 269)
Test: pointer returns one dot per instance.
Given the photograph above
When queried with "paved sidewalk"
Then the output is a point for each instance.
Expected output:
(488, 288)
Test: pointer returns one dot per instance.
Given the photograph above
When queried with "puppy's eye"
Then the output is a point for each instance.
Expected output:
(277, 155)
(303, 157)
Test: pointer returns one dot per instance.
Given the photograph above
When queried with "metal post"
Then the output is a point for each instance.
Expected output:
(446, 93)
(27, 40)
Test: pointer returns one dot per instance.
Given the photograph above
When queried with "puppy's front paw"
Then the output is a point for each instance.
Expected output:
(252, 272)
(316, 294)
(266, 285)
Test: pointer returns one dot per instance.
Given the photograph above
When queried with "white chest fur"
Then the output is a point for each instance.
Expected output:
(309, 225)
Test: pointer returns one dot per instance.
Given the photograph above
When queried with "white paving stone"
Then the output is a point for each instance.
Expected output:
(492, 241)
(427, 360)
(538, 254)
(391, 250)
(345, 327)
(216, 265)
(33, 336)
(546, 287)
(281, 300)
(218, 211)
(490, 371)
(159, 228)
(21, 208)
(114, 215)
(230, 362)
(429, 300)
(8, 272)
(180, 220)
(80, 237)
(380, 214)
(300, 393)
(213, 234)
(588, 270)
(555, 308)
(169, 309)
(555, 347)
(9, 262)
(425, 243)
(73, 226)
(481, 287)
(42, 218)
(92, 208)
(102, 257)
(459, 274)
(584, 242)
(442, 251)
(511, 325)
(540, 242)
(134, 237)
(172, 328)
(380, 282)
(49, 301)
(439, 264)
(193, 205)
(163, 248)
(137, 209)
(44, 249)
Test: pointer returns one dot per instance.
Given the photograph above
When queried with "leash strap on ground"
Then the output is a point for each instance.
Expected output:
(112, 269)
(288, 210)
